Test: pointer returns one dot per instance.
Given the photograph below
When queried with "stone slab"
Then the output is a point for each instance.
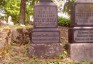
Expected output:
(45, 50)
(82, 14)
(79, 35)
(45, 15)
(45, 36)
(81, 52)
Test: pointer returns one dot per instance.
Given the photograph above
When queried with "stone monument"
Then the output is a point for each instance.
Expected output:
(45, 35)
(81, 33)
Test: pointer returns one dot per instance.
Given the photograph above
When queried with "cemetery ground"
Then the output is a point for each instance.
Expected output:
(18, 53)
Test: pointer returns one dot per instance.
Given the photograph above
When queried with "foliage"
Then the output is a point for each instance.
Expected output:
(12, 8)
(68, 6)
(63, 21)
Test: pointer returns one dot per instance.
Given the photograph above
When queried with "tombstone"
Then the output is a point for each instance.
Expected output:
(3, 22)
(80, 34)
(10, 21)
(82, 14)
(45, 35)
(31, 20)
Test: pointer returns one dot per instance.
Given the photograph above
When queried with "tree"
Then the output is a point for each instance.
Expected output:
(68, 6)
(22, 11)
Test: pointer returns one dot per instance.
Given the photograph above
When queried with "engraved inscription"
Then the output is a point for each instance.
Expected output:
(45, 16)
(83, 35)
(45, 37)
(84, 14)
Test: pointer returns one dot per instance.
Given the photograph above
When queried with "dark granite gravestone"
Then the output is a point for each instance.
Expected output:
(82, 14)
(45, 35)
(45, 23)
(80, 36)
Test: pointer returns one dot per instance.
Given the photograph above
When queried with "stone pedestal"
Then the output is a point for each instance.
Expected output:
(45, 50)
(81, 52)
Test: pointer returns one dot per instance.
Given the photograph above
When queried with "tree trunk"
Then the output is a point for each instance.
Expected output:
(22, 12)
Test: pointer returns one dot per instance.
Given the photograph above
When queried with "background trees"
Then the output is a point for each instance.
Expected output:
(20, 10)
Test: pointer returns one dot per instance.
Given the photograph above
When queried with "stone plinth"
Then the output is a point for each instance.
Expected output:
(81, 35)
(45, 50)
(48, 35)
(81, 52)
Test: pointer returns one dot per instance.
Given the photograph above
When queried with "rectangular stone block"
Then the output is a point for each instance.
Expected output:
(45, 15)
(45, 50)
(79, 35)
(45, 36)
(82, 14)
(81, 52)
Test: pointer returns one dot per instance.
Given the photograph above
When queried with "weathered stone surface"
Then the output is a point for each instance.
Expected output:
(45, 36)
(45, 50)
(21, 36)
(82, 14)
(81, 52)
(45, 15)
(79, 35)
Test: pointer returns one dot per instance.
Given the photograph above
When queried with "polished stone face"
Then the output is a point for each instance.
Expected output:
(82, 14)
(81, 35)
(45, 0)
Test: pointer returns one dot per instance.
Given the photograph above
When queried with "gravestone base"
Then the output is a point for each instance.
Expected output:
(45, 50)
(81, 52)
(45, 35)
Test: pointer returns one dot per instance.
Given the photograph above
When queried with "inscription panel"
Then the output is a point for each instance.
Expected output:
(45, 16)
(83, 14)
(45, 37)
(81, 36)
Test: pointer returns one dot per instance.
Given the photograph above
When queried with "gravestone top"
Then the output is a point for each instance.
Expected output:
(45, 0)
(82, 14)
(45, 15)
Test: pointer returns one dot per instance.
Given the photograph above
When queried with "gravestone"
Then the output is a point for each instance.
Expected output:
(45, 35)
(81, 34)
(82, 14)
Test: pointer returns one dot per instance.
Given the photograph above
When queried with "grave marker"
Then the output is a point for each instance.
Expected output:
(45, 35)
(81, 34)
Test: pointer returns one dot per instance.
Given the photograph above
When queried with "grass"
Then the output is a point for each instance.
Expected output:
(18, 54)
